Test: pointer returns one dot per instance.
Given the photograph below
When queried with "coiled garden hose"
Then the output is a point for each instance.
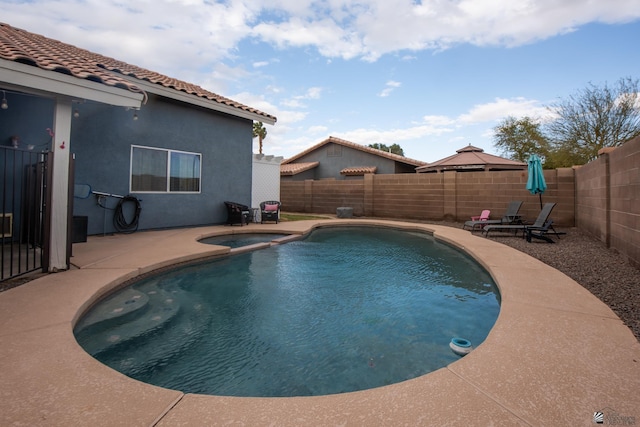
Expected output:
(120, 222)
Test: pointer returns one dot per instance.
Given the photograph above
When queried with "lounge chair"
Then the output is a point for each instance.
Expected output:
(484, 215)
(478, 220)
(539, 232)
(542, 219)
(510, 217)
(269, 211)
(237, 213)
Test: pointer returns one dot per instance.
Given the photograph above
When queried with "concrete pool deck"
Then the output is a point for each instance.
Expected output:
(555, 356)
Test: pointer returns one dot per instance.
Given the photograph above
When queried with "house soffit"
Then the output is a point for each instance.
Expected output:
(33, 80)
(234, 109)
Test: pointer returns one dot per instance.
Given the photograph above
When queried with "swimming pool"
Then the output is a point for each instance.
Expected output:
(342, 310)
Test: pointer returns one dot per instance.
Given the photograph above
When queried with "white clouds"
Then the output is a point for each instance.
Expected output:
(218, 78)
(370, 136)
(345, 29)
(318, 130)
(286, 117)
(325, 35)
(297, 101)
(439, 120)
(148, 32)
(313, 93)
(389, 87)
(435, 127)
(500, 108)
(292, 103)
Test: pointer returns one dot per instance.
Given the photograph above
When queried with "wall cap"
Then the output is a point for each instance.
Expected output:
(605, 150)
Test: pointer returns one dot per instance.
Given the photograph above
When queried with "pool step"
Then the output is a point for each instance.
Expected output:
(124, 318)
(118, 306)
(185, 330)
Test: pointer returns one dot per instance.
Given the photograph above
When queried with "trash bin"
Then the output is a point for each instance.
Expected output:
(79, 229)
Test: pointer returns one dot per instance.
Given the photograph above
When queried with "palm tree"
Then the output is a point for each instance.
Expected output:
(260, 132)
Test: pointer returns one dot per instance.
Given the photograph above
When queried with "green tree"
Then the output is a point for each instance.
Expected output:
(519, 138)
(394, 148)
(260, 132)
(593, 118)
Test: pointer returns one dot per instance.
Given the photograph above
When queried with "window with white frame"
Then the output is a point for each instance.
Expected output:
(158, 170)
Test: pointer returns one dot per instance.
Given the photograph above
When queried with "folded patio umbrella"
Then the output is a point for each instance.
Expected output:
(535, 182)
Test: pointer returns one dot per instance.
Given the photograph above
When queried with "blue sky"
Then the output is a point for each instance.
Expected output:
(431, 76)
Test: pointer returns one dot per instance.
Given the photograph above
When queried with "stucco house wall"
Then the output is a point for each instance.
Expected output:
(302, 176)
(102, 137)
(27, 117)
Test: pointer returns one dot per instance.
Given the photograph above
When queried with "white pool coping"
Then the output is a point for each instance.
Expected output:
(555, 356)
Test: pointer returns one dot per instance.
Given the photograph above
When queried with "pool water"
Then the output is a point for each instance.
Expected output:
(345, 309)
(238, 240)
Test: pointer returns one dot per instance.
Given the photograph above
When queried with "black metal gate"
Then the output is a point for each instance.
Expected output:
(24, 195)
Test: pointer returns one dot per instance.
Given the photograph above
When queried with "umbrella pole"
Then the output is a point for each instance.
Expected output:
(540, 195)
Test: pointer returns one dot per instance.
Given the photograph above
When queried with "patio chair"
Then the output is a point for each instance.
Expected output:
(478, 220)
(511, 216)
(237, 213)
(539, 232)
(269, 211)
(542, 219)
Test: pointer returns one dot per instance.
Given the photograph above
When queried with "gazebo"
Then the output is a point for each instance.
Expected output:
(469, 159)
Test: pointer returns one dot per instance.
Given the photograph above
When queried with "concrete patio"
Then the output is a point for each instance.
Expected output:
(555, 356)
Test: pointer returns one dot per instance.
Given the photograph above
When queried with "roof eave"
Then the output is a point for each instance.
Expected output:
(53, 83)
(332, 139)
(199, 101)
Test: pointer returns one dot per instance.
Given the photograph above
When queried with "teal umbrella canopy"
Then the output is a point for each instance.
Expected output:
(535, 182)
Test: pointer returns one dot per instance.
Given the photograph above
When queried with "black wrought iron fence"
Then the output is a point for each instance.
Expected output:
(23, 196)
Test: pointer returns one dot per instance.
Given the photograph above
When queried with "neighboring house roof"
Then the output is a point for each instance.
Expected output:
(358, 170)
(472, 158)
(334, 140)
(296, 168)
(23, 47)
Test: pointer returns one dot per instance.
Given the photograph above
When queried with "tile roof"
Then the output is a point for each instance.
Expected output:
(48, 54)
(358, 170)
(360, 147)
(296, 168)
(472, 158)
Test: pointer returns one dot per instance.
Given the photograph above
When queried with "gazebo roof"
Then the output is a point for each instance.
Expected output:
(471, 158)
